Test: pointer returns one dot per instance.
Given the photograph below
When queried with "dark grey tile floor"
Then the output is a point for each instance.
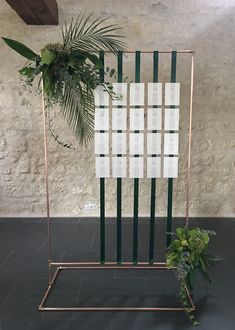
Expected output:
(23, 278)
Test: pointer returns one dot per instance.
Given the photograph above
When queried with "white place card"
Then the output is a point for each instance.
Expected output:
(171, 143)
(101, 119)
(136, 167)
(118, 143)
(153, 143)
(119, 118)
(102, 167)
(136, 119)
(154, 119)
(101, 96)
(136, 143)
(154, 93)
(171, 122)
(172, 94)
(137, 94)
(119, 167)
(153, 167)
(120, 89)
(170, 167)
(101, 143)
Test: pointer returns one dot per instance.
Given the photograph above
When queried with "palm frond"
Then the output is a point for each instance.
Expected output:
(78, 111)
(89, 34)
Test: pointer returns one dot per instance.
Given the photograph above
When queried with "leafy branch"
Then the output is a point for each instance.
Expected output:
(70, 71)
(186, 255)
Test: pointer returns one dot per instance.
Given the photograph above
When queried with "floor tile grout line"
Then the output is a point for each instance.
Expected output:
(9, 293)
(76, 225)
(92, 242)
(78, 294)
(30, 324)
(7, 257)
(36, 225)
(42, 245)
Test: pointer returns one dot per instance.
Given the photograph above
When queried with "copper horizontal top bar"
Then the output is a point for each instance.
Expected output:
(185, 51)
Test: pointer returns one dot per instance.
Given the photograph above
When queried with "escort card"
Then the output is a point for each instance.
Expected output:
(154, 93)
(171, 143)
(136, 167)
(171, 122)
(120, 89)
(137, 94)
(154, 143)
(101, 96)
(172, 94)
(136, 143)
(170, 167)
(154, 119)
(101, 143)
(118, 143)
(102, 167)
(119, 167)
(153, 167)
(136, 119)
(101, 119)
(119, 118)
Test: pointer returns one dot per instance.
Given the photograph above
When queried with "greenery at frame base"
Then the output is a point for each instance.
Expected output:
(186, 255)
(70, 70)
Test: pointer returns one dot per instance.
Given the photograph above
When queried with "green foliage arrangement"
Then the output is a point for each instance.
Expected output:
(187, 255)
(70, 70)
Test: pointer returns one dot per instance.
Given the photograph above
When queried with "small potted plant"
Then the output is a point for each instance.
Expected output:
(186, 255)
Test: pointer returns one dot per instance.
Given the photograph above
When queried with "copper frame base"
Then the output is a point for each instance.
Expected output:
(108, 265)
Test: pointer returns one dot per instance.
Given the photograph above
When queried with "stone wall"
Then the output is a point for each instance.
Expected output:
(207, 26)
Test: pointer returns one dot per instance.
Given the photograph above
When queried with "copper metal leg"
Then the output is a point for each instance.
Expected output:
(189, 139)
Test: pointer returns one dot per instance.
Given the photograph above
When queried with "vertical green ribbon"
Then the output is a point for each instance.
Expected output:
(102, 188)
(153, 180)
(170, 180)
(136, 180)
(119, 180)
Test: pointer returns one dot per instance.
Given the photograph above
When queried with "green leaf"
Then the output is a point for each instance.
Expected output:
(112, 71)
(94, 59)
(191, 279)
(78, 110)
(87, 34)
(202, 264)
(26, 71)
(20, 49)
(47, 56)
(205, 238)
(205, 275)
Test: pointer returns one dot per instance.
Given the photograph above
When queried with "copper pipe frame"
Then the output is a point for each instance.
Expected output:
(166, 51)
(46, 182)
(112, 265)
(108, 265)
(189, 139)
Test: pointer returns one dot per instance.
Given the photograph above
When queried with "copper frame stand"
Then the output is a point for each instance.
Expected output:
(109, 265)
(58, 267)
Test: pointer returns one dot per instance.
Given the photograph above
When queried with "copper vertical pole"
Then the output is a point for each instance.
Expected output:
(46, 181)
(189, 139)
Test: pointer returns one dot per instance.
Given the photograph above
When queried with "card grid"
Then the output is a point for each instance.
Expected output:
(161, 131)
